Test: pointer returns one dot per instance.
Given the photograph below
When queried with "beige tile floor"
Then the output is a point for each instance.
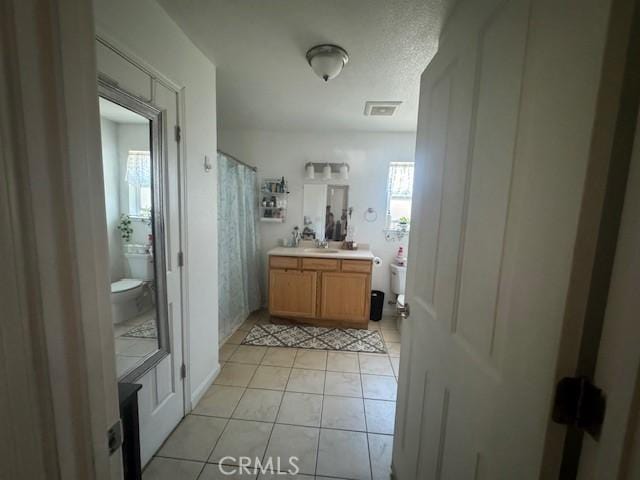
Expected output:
(333, 410)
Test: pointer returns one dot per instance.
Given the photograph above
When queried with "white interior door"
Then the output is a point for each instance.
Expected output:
(616, 455)
(505, 118)
(161, 399)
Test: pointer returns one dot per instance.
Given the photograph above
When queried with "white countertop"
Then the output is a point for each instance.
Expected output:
(360, 254)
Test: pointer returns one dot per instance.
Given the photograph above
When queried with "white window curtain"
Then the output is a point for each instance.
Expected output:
(401, 179)
(238, 248)
(399, 191)
(138, 168)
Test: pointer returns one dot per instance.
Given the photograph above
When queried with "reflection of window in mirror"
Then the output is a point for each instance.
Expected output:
(138, 178)
(399, 193)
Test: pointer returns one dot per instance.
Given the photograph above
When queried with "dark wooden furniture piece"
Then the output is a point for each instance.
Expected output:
(128, 397)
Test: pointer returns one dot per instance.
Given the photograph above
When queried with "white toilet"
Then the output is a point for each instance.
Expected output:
(125, 293)
(398, 281)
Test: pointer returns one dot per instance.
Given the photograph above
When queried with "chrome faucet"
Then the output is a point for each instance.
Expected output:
(321, 243)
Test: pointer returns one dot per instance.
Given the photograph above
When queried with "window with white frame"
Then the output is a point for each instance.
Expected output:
(138, 177)
(399, 192)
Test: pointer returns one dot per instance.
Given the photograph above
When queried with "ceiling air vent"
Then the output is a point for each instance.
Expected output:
(380, 109)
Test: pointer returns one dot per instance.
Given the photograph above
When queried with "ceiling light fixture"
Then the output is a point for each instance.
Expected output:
(327, 60)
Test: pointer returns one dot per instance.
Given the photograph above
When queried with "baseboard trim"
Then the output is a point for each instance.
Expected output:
(199, 392)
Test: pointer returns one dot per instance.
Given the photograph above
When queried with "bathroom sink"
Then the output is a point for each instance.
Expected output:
(321, 250)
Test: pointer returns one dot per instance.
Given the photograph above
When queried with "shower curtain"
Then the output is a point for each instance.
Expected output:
(238, 260)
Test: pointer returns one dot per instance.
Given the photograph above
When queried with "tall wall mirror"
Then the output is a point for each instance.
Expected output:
(131, 133)
(325, 211)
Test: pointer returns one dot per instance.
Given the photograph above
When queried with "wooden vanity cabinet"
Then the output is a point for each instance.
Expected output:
(292, 293)
(345, 296)
(321, 291)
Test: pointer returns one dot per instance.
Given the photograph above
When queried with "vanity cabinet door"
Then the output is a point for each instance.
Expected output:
(345, 296)
(292, 293)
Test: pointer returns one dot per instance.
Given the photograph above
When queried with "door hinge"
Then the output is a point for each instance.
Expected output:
(114, 437)
(180, 259)
(178, 133)
(579, 403)
(183, 371)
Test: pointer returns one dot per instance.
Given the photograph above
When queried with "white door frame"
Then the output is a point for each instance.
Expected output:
(611, 149)
(50, 130)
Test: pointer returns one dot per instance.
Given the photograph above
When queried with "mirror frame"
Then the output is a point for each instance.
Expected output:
(112, 92)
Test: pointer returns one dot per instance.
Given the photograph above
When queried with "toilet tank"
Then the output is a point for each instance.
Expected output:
(140, 265)
(398, 279)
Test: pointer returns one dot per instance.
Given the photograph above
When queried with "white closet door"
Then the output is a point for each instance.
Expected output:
(616, 454)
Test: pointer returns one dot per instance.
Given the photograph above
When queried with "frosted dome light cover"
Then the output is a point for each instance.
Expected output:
(327, 61)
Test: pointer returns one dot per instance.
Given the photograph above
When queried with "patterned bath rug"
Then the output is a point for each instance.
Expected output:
(144, 330)
(319, 338)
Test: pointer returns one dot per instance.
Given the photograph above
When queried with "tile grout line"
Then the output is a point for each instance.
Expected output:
(289, 425)
(314, 393)
(366, 424)
(236, 407)
(231, 415)
(324, 385)
(273, 427)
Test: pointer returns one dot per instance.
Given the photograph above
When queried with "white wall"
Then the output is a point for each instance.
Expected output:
(369, 154)
(111, 172)
(148, 33)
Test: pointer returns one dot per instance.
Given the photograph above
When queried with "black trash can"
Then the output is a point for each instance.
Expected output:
(377, 304)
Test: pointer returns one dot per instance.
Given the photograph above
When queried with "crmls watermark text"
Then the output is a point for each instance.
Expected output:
(247, 465)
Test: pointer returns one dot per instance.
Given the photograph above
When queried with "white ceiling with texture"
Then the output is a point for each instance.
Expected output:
(264, 81)
(116, 113)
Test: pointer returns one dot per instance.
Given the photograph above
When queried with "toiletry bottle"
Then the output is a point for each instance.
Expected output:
(282, 185)
(400, 256)
(387, 220)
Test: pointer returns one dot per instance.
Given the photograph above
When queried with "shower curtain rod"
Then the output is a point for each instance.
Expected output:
(255, 169)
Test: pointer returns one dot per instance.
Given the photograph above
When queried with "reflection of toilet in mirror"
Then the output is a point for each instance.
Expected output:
(131, 296)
